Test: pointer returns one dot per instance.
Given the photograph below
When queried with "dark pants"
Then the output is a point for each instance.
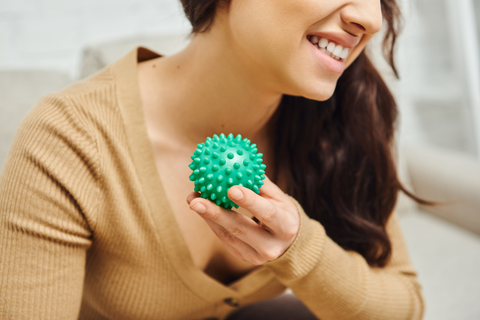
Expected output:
(284, 307)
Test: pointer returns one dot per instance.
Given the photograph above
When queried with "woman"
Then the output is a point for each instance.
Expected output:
(92, 198)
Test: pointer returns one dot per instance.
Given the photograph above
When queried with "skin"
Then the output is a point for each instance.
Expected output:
(236, 73)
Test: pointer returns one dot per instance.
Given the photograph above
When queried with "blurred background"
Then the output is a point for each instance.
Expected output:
(47, 44)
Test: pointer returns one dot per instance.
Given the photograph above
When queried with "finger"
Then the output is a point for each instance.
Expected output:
(191, 196)
(234, 223)
(262, 208)
(237, 247)
(271, 190)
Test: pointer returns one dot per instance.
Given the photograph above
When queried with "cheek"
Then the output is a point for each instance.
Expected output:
(259, 30)
(358, 49)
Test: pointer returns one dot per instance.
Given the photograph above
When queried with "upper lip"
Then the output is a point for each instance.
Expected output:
(345, 40)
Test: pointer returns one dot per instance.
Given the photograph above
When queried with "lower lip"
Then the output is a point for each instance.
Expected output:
(337, 66)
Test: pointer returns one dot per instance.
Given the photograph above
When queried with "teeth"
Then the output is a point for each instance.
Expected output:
(323, 43)
(331, 47)
(344, 53)
(333, 50)
(338, 50)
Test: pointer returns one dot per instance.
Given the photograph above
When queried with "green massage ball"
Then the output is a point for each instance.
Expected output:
(222, 162)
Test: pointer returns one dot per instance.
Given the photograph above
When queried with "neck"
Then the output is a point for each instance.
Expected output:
(208, 88)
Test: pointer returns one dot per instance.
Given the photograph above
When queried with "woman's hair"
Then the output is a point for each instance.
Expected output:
(337, 154)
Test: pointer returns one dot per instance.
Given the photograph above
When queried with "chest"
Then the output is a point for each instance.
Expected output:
(207, 251)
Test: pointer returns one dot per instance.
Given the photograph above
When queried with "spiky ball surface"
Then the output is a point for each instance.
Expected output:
(222, 162)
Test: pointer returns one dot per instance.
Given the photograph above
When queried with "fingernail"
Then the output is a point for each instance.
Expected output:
(236, 194)
(199, 208)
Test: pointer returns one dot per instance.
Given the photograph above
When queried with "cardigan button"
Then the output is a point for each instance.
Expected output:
(232, 302)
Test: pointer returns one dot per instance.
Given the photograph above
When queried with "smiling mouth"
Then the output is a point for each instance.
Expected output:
(329, 47)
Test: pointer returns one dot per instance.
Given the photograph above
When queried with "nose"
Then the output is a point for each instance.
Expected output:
(362, 16)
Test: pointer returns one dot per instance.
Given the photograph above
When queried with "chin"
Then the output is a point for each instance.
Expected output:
(320, 92)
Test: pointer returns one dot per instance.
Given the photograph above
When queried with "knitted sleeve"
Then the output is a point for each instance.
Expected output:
(48, 194)
(338, 284)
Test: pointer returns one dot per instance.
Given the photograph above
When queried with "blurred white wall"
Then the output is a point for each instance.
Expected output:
(50, 34)
(432, 92)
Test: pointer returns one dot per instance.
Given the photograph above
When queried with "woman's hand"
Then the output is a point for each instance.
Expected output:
(257, 243)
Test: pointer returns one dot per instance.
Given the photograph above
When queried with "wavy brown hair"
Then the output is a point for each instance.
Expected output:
(337, 154)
